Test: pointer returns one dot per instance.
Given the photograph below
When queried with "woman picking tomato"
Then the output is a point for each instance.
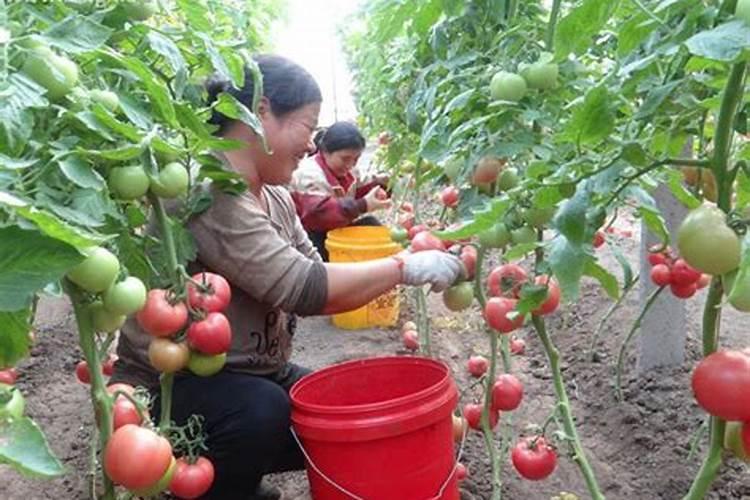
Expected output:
(327, 193)
(256, 241)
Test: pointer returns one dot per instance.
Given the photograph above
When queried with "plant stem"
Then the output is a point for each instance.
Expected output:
(99, 396)
(423, 322)
(724, 133)
(615, 305)
(489, 436)
(624, 347)
(478, 288)
(554, 13)
(565, 411)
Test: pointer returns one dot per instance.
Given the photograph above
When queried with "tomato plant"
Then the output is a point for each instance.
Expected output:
(506, 86)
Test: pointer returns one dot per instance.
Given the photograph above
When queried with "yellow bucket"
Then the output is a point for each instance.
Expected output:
(357, 244)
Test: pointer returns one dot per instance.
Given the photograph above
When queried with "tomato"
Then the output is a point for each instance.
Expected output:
(487, 170)
(192, 480)
(461, 472)
(406, 221)
(598, 240)
(213, 294)
(167, 356)
(449, 197)
(533, 458)
(410, 339)
(140, 10)
(496, 314)
(97, 271)
(128, 183)
(656, 258)
(517, 346)
(57, 74)
(721, 385)
(159, 317)
(553, 296)
(661, 275)
(523, 235)
(409, 325)
(123, 410)
(9, 376)
(495, 237)
(683, 274)
(407, 207)
(212, 335)
(136, 457)
(742, 11)
(460, 427)
(206, 365)
(452, 168)
(683, 291)
(415, 230)
(82, 372)
(733, 441)
(738, 292)
(707, 243)
(106, 98)
(469, 258)
(459, 297)
(173, 181)
(703, 281)
(126, 297)
(477, 366)
(539, 217)
(473, 416)
(507, 393)
(104, 321)
(12, 402)
(506, 280)
(426, 241)
(541, 75)
(506, 86)
(508, 179)
(399, 235)
(108, 367)
(161, 485)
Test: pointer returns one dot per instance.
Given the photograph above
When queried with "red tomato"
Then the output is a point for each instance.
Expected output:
(123, 410)
(414, 230)
(410, 338)
(9, 376)
(407, 207)
(506, 280)
(533, 458)
(661, 275)
(212, 335)
(426, 241)
(477, 366)
(473, 416)
(507, 393)
(469, 258)
(683, 291)
(406, 222)
(192, 480)
(657, 258)
(136, 457)
(721, 385)
(461, 472)
(82, 372)
(496, 314)
(553, 296)
(659, 255)
(704, 281)
(449, 197)
(683, 273)
(213, 294)
(598, 239)
(409, 325)
(159, 317)
(108, 367)
(517, 346)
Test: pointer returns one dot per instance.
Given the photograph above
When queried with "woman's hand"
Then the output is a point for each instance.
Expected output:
(377, 199)
(431, 267)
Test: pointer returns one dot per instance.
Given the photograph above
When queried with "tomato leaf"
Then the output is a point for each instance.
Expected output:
(568, 261)
(14, 335)
(593, 120)
(23, 446)
(80, 173)
(196, 14)
(576, 30)
(77, 34)
(724, 43)
(655, 222)
(570, 219)
(676, 186)
(481, 220)
(518, 251)
(229, 106)
(604, 277)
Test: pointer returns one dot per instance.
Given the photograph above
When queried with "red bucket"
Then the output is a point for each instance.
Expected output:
(378, 429)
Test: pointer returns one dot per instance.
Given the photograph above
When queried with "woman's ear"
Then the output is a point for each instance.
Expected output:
(264, 108)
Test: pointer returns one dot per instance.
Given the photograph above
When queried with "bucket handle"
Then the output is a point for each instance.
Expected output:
(357, 497)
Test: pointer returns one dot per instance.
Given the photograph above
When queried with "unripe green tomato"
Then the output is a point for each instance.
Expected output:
(128, 183)
(126, 297)
(140, 10)
(541, 75)
(524, 234)
(506, 86)
(399, 234)
(508, 179)
(103, 320)
(567, 190)
(206, 365)
(459, 297)
(97, 271)
(57, 74)
(106, 98)
(452, 168)
(172, 181)
(539, 217)
(495, 237)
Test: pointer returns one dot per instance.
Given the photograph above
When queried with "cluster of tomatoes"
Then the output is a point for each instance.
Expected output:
(681, 278)
(208, 336)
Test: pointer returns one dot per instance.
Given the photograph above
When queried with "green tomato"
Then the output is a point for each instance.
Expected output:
(126, 297)
(495, 237)
(506, 86)
(738, 292)
(539, 217)
(524, 234)
(128, 183)
(103, 320)
(733, 441)
(106, 98)
(541, 75)
(205, 365)
(140, 10)
(57, 74)
(98, 270)
(399, 234)
(171, 182)
(459, 297)
(12, 402)
(452, 167)
(742, 11)
(707, 243)
(508, 179)
(161, 485)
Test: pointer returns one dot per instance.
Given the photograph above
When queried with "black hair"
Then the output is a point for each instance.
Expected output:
(286, 85)
(340, 135)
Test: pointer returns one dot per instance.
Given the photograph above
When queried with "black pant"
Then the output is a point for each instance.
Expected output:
(247, 420)
(318, 238)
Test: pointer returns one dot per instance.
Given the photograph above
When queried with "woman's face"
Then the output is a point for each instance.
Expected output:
(343, 160)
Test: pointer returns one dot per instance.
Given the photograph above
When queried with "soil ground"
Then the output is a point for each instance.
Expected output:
(639, 448)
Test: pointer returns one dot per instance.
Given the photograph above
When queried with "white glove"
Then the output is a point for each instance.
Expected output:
(377, 199)
(433, 267)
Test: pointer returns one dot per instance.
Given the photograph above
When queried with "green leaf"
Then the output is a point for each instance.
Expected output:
(196, 13)
(677, 187)
(655, 222)
(167, 48)
(633, 32)
(656, 98)
(481, 220)
(604, 277)
(80, 173)
(532, 296)
(627, 270)
(24, 447)
(570, 219)
(568, 262)
(78, 34)
(16, 163)
(124, 129)
(517, 251)
(28, 261)
(227, 105)
(14, 335)
(593, 120)
(58, 229)
(724, 43)
(576, 31)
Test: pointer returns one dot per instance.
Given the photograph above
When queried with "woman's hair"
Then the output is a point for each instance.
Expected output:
(286, 85)
(340, 135)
